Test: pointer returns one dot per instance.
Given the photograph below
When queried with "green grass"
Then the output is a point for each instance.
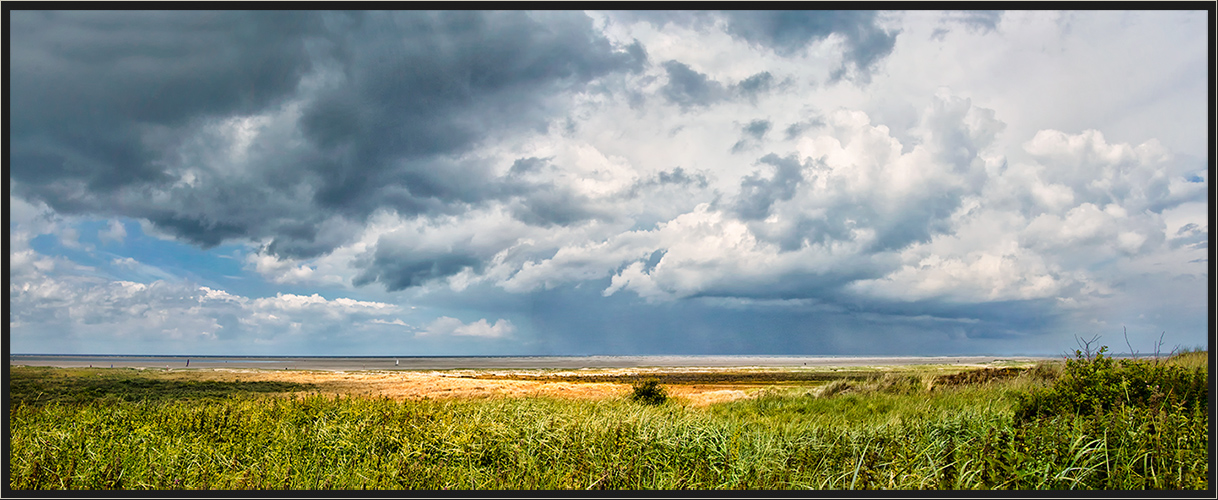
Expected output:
(40, 385)
(889, 431)
(1191, 359)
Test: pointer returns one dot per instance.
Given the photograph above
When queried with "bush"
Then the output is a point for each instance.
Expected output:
(649, 391)
(1093, 383)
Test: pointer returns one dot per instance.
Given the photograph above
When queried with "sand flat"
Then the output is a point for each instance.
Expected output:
(565, 377)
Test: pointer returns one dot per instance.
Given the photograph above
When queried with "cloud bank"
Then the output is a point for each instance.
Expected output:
(557, 170)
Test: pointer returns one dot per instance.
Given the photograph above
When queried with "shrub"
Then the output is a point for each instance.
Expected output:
(1092, 383)
(649, 391)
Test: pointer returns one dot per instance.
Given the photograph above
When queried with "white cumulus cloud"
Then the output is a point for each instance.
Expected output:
(448, 326)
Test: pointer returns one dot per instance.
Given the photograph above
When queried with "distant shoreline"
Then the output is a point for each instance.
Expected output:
(490, 362)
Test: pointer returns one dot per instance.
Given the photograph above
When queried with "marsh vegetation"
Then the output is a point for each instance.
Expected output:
(1088, 422)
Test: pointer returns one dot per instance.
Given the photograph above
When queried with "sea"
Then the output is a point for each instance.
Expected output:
(353, 363)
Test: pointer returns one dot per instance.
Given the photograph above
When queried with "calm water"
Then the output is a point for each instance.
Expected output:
(482, 362)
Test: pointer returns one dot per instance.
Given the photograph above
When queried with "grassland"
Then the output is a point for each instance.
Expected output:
(1054, 426)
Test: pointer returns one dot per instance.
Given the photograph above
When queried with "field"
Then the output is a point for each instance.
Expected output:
(1088, 423)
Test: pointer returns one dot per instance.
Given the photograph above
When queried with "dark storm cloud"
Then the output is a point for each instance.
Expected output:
(436, 84)
(403, 258)
(106, 103)
(123, 113)
(398, 270)
(86, 85)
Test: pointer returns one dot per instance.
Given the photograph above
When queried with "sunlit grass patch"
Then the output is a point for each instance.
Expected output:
(1191, 359)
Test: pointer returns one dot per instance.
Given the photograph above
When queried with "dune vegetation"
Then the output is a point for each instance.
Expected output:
(1090, 422)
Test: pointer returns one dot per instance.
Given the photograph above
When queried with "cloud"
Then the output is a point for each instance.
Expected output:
(58, 311)
(293, 302)
(688, 88)
(320, 120)
(677, 176)
(95, 85)
(1055, 227)
(787, 33)
(471, 75)
(396, 322)
(982, 21)
(756, 85)
(855, 176)
(1191, 235)
(853, 167)
(69, 237)
(1139, 178)
(794, 130)
(157, 310)
(414, 253)
(976, 277)
(758, 194)
(752, 134)
(278, 270)
(398, 272)
(854, 212)
(115, 233)
(446, 326)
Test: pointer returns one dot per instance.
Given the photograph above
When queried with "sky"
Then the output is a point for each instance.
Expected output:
(607, 183)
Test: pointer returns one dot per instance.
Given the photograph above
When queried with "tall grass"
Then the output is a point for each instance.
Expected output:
(892, 434)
